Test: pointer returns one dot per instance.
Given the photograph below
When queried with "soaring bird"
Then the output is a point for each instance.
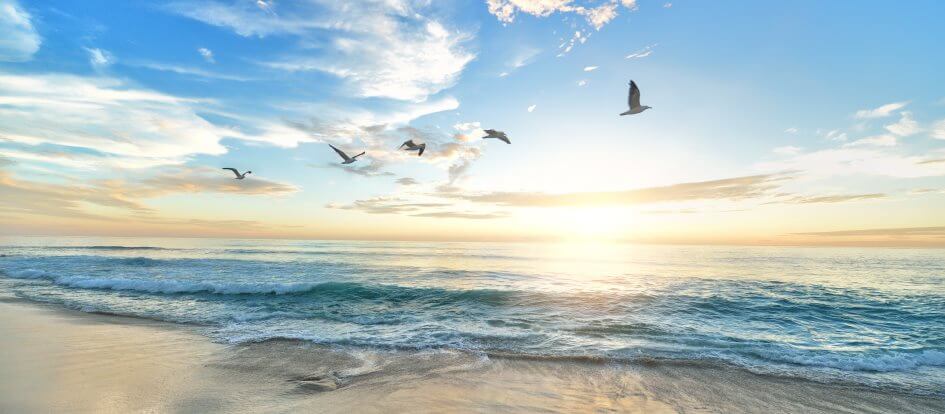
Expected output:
(634, 101)
(347, 159)
(491, 133)
(238, 175)
(413, 146)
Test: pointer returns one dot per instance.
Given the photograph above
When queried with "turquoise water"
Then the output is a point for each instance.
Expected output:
(873, 317)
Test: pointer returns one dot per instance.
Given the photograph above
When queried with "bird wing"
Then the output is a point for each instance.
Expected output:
(490, 132)
(634, 99)
(408, 143)
(422, 147)
(234, 171)
(356, 156)
(340, 152)
(503, 137)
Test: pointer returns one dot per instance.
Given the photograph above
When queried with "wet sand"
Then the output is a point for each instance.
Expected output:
(54, 360)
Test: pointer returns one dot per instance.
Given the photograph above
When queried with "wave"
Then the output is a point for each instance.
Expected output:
(105, 247)
(887, 361)
(336, 290)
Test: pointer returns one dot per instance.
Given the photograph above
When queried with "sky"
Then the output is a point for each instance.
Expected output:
(772, 123)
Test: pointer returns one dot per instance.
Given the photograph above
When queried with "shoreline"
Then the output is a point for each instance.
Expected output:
(55, 359)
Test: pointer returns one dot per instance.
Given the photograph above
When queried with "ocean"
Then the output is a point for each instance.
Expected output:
(872, 317)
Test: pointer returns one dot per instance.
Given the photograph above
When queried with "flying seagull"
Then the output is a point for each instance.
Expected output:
(491, 133)
(634, 101)
(238, 175)
(347, 159)
(413, 146)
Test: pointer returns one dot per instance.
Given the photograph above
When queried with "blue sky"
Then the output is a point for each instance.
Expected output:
(772, 123)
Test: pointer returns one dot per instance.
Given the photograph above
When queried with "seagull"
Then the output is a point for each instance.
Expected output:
(634, 101)
(238, 175)
(347, 159)
(491, 133)
(413, 146)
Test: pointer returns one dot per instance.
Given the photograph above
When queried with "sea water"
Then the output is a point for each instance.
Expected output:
(867, 316)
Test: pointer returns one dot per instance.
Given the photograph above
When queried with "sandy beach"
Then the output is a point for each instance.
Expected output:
(55, 360)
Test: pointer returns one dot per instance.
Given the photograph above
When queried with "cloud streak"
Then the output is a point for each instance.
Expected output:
(880, 112)
(737, 188)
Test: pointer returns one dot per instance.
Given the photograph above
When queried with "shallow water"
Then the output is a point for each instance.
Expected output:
(873, 317)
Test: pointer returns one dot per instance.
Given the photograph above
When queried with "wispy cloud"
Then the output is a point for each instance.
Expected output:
(380, 49)
(99, 58)
(430, 209)
(597, 17)
(19, 41)
(373, 168)
(642, 53)
(69, 200)
(463, 215)
(880, 112)
(834, 135)
(938, 130)
(905, 126)
(859, 160)
(590, 68)
(144, 128)
(832, 198)
(189, 71)
(884, 140)
(737, 188)
(207, 55)
(894, 231)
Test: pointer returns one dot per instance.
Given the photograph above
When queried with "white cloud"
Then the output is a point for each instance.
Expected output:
(791, 130)
(905, 126)
(207, 54)
(582, 82)
(187, 70)
(599, 16)
(128, 127)
(667, 5)
(884, 140)
(938, 130)
(642, 53)
(381, 49)
(99, 58)
(524, 57)
(590, 68)
(505, 10)
(580, 36)
(596, 15)
(881, 112)
(835, 135)
(849, 161)
(19, 40)
(531, 108)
